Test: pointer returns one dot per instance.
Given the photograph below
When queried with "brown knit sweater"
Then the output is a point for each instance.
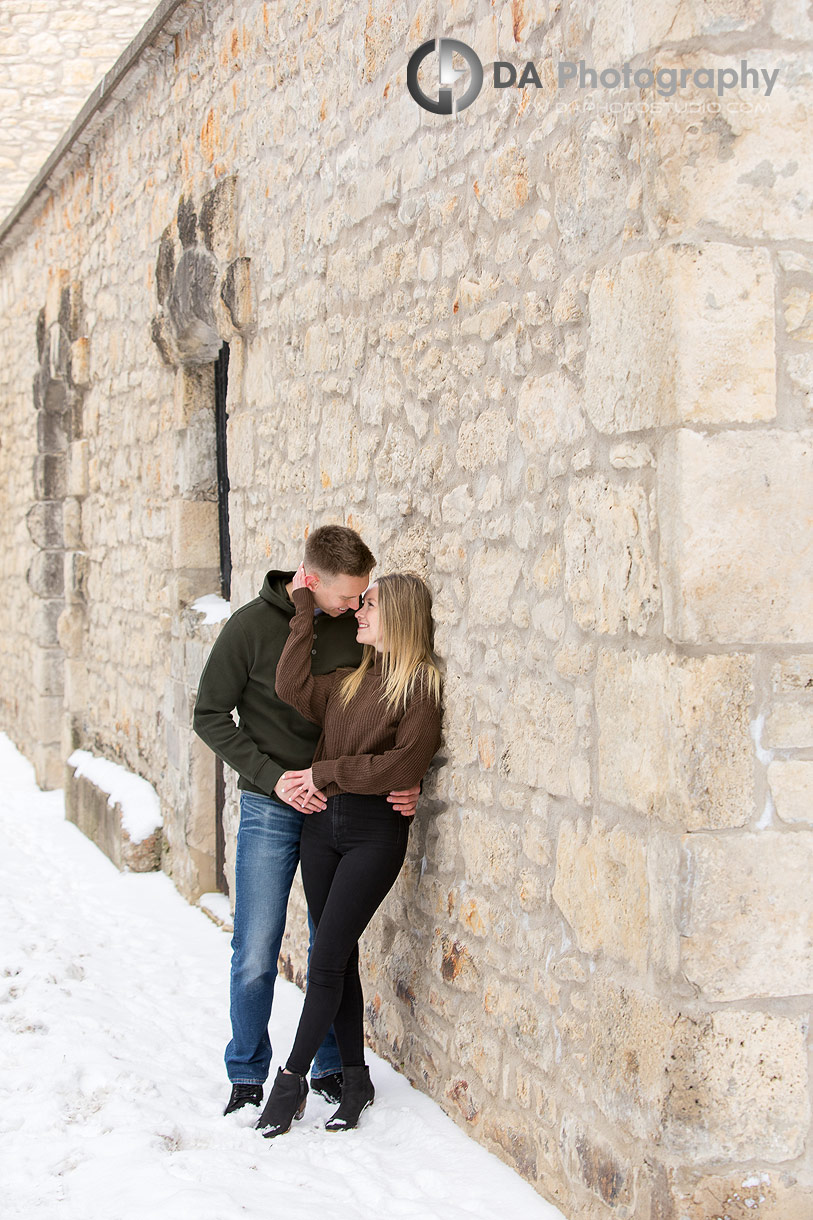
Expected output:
(365, 747)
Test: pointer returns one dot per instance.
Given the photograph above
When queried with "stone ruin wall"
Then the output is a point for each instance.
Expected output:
(559, 361)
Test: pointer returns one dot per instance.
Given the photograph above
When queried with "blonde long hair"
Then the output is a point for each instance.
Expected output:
(407, 635)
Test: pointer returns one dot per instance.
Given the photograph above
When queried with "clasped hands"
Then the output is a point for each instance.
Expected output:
(297, 788)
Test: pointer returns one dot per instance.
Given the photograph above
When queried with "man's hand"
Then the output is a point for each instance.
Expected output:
(296, 788)
(405, 802)
(302, 580)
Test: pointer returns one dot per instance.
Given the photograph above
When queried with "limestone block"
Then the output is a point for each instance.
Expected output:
(749, 174)
(77, 483)
(610, 572)
(490, 849)
(190, 307)
(200, 811)
(748, 930)
(48, 672)
(77, 576)
(492, 578)
(792, 790)
(538, 736)
(798, 303)
(236, 293)
(46, 575)
(601, 889)
(484, 441)
(218, 219)
(738, 1087)
(504, 187)
(71, 631)
(44, 618)
(727, 506)
(71, 525)
(195, 465)
(44, 521)
(80, 362)
(628, 1057)
(52, 435)
(194, 527)
(674, 738)
(49, 476)
(593, 1163)
(789, 726)
(548, 414)
(89, 808)
(624, 28)
(593, 174)
(792, 674)
(680, 334)
(756, 1194)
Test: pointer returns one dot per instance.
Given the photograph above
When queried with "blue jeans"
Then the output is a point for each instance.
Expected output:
(267, 859)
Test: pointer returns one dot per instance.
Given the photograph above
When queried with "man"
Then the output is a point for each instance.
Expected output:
(269, 739)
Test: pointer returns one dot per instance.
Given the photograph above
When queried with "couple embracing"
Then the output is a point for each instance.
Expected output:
(337, 689)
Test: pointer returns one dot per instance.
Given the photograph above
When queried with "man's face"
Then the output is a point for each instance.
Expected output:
(338, 594)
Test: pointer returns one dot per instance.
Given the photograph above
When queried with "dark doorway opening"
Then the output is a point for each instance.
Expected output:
(221, 418)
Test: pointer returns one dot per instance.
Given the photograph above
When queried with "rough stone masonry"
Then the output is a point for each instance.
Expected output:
(556, 356)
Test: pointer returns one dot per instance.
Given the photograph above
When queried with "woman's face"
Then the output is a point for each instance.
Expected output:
(367, 618)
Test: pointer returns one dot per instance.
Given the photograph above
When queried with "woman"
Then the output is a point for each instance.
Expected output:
(380, 730)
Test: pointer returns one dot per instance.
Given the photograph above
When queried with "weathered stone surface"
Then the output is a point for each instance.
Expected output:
(749, 926)
(624, 28)
(601, 889)
(594, 1164)
(610, 571)
(45, 575)
(789, 726)
(548, 413)
(629, 1051)
(681, 334)
(792, 790)
(727, 505)
(218, 218)
(674, 737)
(747, 169)
(756, 1194)
(194, 534)
(50, 476)
(538, 733)
(44, 521)
(190, 308)
(236, 292)
(792, 674)
(738, 1087)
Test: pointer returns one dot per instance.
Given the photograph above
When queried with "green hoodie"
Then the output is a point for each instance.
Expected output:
(270, 737)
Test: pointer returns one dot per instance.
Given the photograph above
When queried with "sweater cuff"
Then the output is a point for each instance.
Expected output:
(322, 773)
(268, 776)
(302, 599)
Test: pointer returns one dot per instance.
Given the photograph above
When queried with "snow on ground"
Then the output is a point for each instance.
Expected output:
(113, 1020)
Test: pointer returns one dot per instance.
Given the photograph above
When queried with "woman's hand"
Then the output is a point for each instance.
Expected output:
(301, 581)
(299, 790)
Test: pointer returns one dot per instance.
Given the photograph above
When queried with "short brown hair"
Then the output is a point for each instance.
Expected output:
(336, 550)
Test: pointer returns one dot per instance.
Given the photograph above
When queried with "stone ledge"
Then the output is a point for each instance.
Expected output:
(101, 819)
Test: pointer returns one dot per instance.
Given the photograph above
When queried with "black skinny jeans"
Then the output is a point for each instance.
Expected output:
(351, 854)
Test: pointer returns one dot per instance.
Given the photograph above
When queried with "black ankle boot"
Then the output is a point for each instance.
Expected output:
(244, 1095)
(286, 1101)
(357, 1095)
(329, 1087)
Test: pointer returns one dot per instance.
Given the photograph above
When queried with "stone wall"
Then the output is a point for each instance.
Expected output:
(54, 52)
(557, 358)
